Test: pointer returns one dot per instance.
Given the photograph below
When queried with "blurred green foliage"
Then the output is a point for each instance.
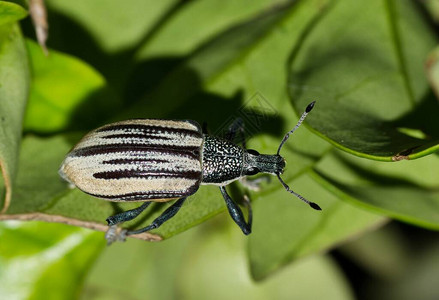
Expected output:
(212, 61)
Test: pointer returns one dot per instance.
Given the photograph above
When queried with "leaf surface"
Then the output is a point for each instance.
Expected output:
(65, 93)
(286, 229)
(385, 188)
(368, 79)
(14, 87)
(11, 12)
(45, 261)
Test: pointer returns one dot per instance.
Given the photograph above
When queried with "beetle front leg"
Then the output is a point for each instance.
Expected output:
(236, 212)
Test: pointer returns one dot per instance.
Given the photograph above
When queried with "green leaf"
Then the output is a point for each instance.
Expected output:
(213, 248)
(432, 69)
(368, 79)
(154, 38)
(418, 280)
(215, 15)
(285, 229)
(224, 253)
(151, 269)
(383, 253)
(214, 61)
(173, 19)
(66, 93)
(14, 86)
(45, 261)
(38, 182)
(99, 16)
(432, 6)
(401, 260)
(10, 13)
(385, 188)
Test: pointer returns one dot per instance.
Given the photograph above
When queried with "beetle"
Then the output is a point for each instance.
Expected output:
(155, 160)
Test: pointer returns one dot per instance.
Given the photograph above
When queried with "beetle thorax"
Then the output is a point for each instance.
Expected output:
(222, 161)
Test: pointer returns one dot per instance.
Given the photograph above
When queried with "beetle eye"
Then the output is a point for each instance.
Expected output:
(253, 152)
(252, 171)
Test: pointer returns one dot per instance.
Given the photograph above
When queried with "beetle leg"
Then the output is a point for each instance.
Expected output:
(166, 215)
(236, 213)
(127, 215)
(113, 234)
(235, 127)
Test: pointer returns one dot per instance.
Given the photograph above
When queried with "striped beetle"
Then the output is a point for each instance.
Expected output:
(153, 160)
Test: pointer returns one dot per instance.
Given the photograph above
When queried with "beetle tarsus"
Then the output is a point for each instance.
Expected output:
(111, 235)
(114, 234)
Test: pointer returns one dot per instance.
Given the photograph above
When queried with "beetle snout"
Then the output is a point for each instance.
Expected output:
(272, 164)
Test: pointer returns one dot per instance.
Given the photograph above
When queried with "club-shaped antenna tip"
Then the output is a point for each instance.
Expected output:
(310, 107)
(315, 206)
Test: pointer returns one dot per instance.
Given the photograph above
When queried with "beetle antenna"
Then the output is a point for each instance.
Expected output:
(302, 118)
(312, 204)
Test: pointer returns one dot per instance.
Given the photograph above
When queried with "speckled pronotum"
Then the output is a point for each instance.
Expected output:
(152, 160)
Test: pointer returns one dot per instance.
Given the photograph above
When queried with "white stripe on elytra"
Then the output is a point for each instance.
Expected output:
(115, 187)
(98, 138)
(93, 164)
(157, 122)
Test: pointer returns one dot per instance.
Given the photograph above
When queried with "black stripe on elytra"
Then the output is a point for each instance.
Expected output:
(154, 174)
(135, 136)
(141, 161)
(150, 129)
(138, 196)
(141, 150)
